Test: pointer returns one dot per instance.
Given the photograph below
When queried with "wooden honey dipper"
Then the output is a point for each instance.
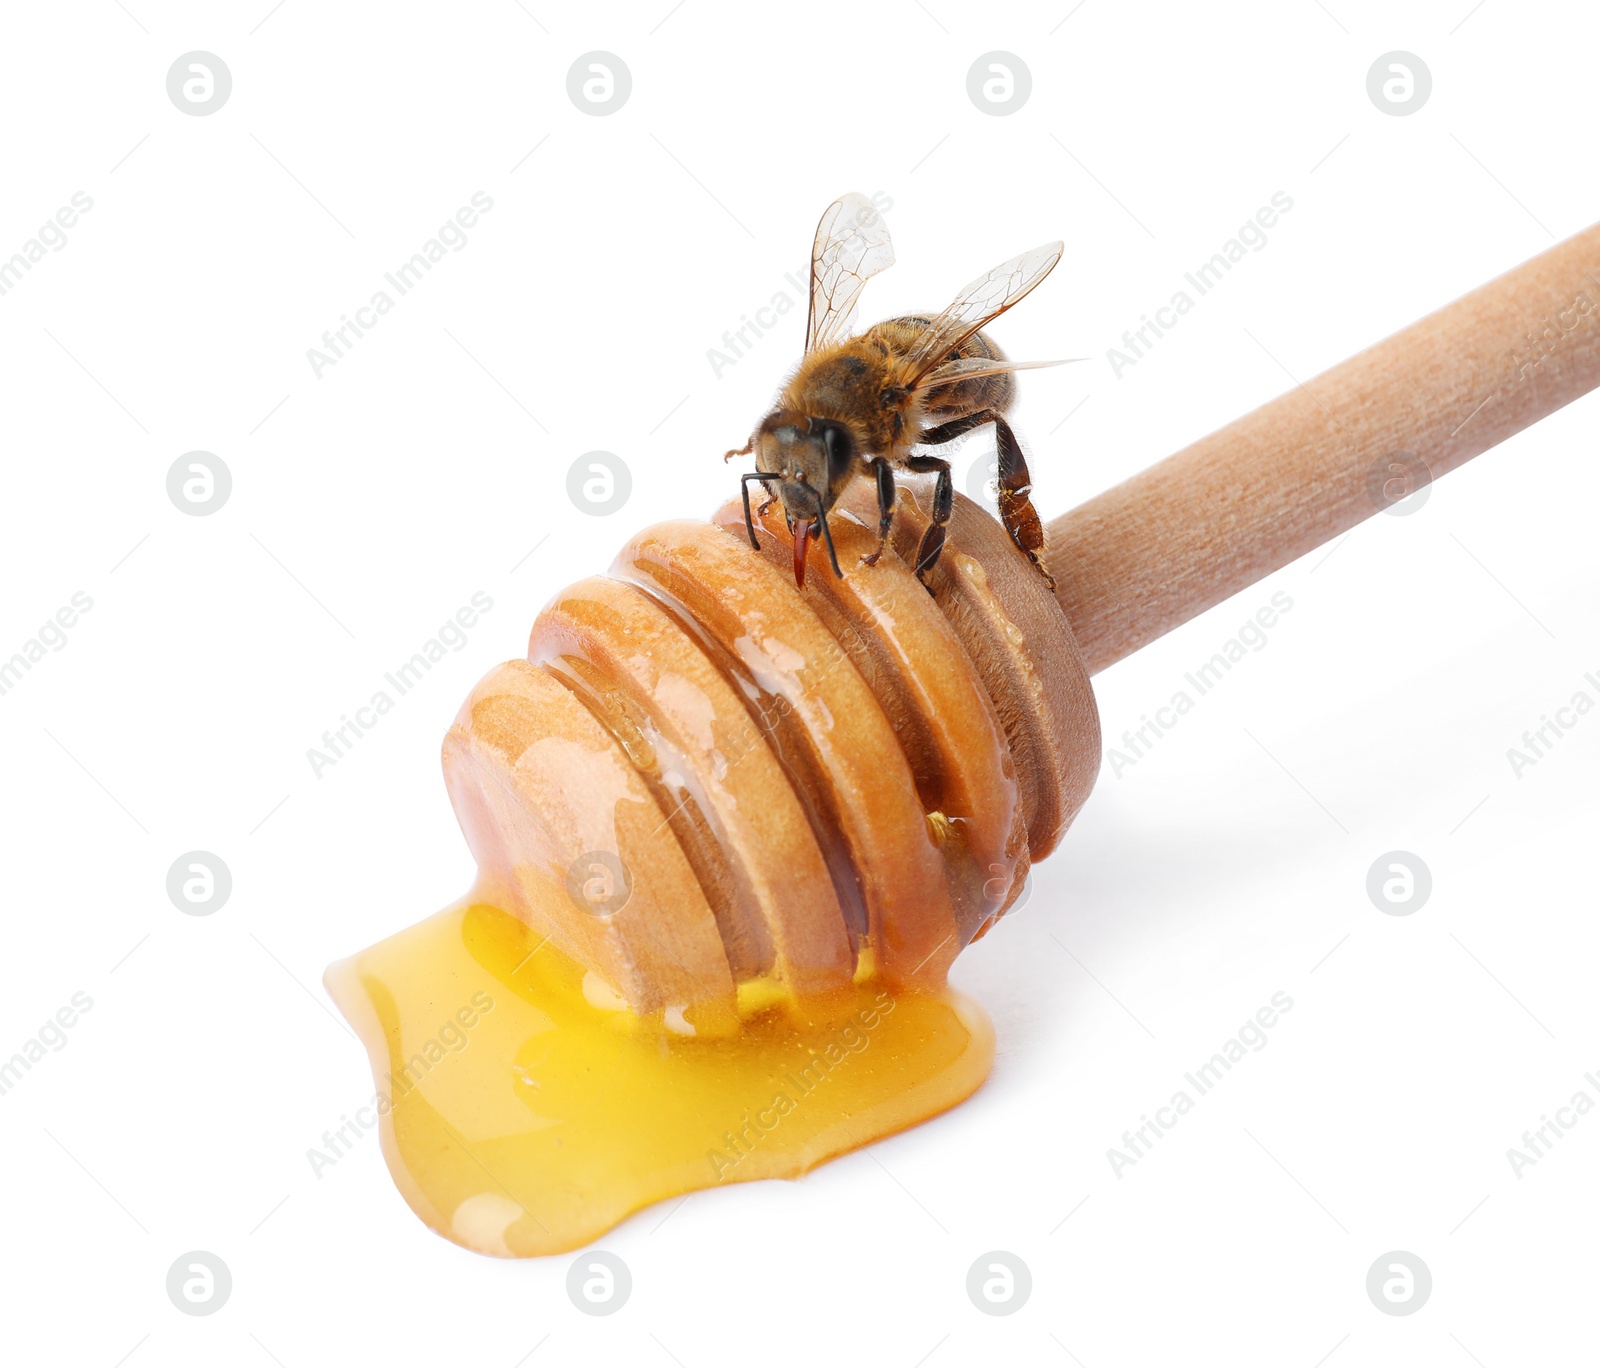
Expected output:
(706, 786)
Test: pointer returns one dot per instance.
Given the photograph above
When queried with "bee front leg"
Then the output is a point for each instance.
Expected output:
(885, 476)
(827, 541)
(745, 450)
(943, 502)
(744, 489)
(1013, 485)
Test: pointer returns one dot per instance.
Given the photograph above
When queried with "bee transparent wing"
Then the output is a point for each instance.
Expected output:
(852, 245)
(985, 299)
(971, 367)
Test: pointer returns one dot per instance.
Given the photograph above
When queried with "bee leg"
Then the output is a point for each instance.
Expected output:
(744, 489)
(827, 540)
(885, 474)
(943, 501)
(956, 427)
(1013, 485)
(745, 450)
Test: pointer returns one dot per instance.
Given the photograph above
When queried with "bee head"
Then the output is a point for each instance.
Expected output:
(811, 458)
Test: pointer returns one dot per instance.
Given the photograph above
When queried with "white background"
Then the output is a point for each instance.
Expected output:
(370, 503)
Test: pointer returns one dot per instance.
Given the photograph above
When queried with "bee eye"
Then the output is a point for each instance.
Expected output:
(840, 448)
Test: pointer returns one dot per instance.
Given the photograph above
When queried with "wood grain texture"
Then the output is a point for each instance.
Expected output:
(539, 788)
(720, 788)
(1014, 633)
(837, 744)
(1162, 547)
(895, 635)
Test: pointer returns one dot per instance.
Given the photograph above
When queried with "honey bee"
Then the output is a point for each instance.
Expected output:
(859, 405)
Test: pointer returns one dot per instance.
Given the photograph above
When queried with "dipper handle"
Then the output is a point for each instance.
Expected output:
(1140, 559)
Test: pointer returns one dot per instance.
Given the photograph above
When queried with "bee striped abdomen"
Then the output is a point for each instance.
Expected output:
(940, 405)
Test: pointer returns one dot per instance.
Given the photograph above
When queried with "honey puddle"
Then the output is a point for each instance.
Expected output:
(526, 1112)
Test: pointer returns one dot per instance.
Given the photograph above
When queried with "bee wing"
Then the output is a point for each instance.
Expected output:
(971, 367)
(985, 299)
(852, 245)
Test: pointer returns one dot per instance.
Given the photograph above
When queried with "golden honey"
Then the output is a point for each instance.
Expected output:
(525, 1110)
